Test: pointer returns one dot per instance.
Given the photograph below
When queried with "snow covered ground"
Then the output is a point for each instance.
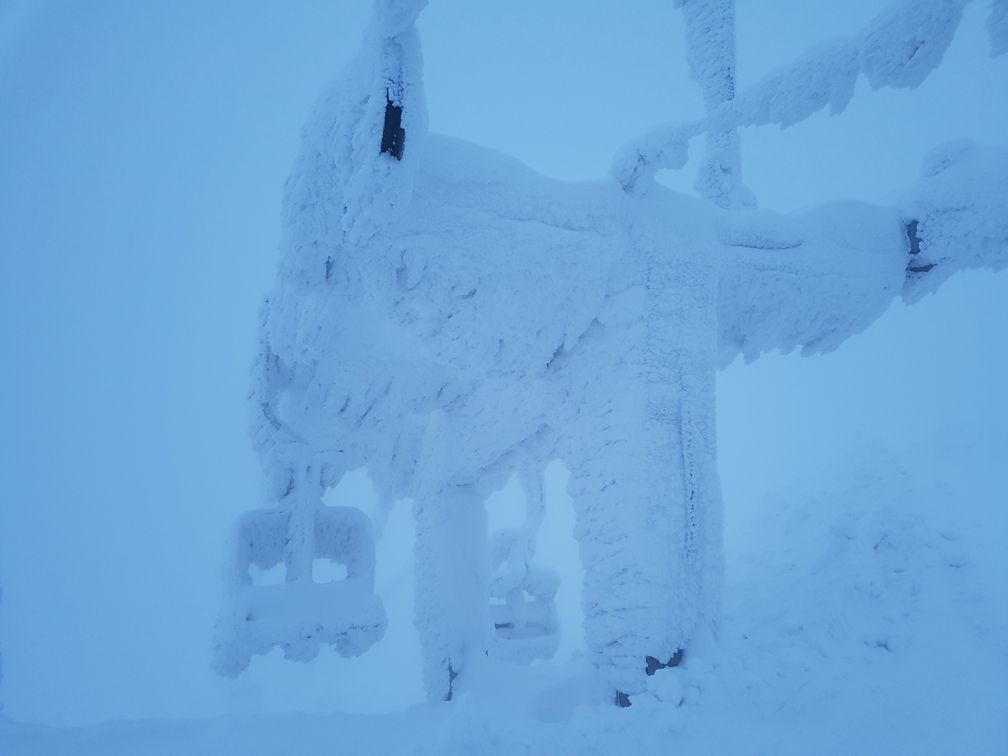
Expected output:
(868, 614)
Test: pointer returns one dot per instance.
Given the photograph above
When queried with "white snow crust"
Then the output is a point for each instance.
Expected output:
(453, 319)
(960, 206)
(710, 52)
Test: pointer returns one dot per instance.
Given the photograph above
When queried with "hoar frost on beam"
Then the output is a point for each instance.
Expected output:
(710, 50)
(899, 49)
(357, 169)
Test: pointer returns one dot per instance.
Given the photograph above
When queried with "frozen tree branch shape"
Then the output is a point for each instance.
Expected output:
(899, 49)
(447, 318)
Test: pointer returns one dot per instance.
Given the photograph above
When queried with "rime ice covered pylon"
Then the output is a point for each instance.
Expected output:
(447, 318)
(315, 344)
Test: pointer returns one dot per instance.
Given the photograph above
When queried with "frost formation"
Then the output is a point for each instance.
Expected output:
(710, 51)
(899, 48)
(450, 319)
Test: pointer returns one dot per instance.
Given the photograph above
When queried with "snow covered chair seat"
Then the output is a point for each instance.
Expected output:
(522, 603)
(524, 618)
(300, 614)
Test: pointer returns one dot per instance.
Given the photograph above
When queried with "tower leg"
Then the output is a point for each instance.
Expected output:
(451, 585)
(648, 525)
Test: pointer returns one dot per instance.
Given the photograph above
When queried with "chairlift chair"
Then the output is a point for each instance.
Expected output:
(301, 614)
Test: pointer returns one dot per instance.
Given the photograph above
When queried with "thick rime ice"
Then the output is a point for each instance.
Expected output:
(959, 209)
(710, 50)
(806, 281)
(899, 48)
(300, 615)
(451, 319)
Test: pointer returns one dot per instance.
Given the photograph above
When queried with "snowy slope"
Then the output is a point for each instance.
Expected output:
(867, 615)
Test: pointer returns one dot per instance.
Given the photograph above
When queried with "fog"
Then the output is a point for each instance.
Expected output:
(143, 149)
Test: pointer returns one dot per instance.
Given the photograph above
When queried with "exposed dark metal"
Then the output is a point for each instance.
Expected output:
(653, 665)
(452, 674)
(393, 139)
(911, 234)
(915, 248)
